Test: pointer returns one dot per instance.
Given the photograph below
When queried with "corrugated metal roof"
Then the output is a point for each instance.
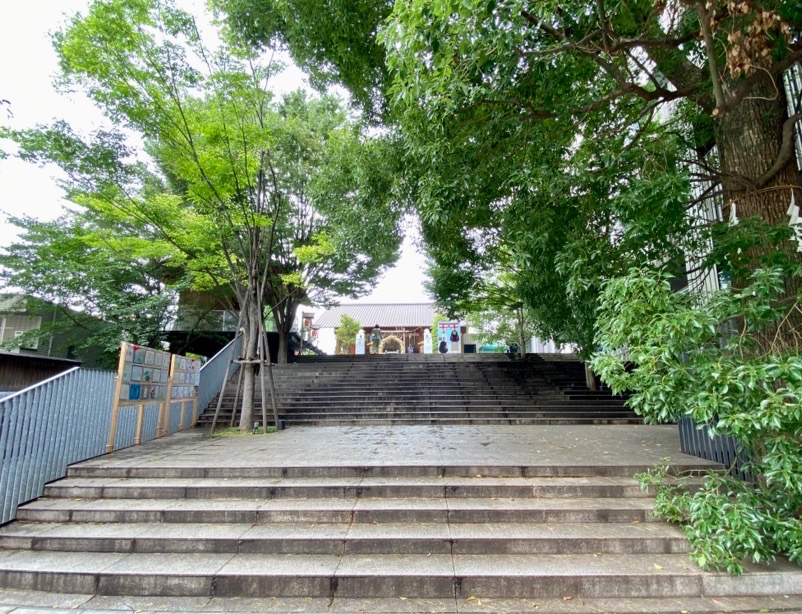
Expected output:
(386, 316)
(12, 302)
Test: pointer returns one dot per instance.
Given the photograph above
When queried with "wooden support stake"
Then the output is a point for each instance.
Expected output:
(139, 420)
(159, 423)
(181, 419)
(115, 410)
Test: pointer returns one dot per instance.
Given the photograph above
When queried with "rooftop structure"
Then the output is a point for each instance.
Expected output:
(395, 315)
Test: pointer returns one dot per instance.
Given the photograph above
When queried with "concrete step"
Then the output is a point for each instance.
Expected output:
(156, 469)
(343, 391)
(413, 411)
(422, 395)
(341, 539)
(556, 420)
(36, 602)
(339, 510)
(439, 576)
(358, 487)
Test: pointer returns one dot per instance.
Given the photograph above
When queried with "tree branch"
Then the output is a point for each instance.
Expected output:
(786, 151)
(746, 86)
(715, 77)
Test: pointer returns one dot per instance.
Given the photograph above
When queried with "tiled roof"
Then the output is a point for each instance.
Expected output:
(386, 316)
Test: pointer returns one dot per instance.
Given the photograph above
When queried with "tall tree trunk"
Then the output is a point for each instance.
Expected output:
(283, 347)
(749, 140)
(284, 317)
(521, 339)
(251, 343)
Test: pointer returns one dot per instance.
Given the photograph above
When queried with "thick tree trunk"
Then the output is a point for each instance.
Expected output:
(590, 378)
(284, 320)
(749, 139)
(283, 347)
(251, 343)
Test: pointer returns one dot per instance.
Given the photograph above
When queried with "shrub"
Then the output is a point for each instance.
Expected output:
(729, 360)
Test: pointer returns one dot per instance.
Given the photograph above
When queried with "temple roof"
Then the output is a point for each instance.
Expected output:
(409, 315)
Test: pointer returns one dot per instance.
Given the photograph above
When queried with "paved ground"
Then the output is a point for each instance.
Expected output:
(515, 446)
(477, 447)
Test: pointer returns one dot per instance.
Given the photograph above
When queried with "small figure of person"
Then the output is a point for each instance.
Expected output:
(443, 347)
(376, 338)
(410, 349)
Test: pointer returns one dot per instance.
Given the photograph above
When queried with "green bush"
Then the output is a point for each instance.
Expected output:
(729, 360)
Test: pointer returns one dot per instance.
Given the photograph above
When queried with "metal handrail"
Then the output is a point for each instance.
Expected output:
(46, 427)
(66, 418)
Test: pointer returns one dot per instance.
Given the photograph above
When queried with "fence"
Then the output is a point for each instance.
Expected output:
(213, 373)
(695, 439)
(46, 427)
(66, 419)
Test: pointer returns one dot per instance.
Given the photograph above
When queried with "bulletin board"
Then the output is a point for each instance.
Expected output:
(143, 377)
(183, 388)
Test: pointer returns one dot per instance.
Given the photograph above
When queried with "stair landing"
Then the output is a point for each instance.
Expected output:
(390, 519)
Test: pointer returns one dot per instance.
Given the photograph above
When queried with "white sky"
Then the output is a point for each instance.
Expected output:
(27, 67)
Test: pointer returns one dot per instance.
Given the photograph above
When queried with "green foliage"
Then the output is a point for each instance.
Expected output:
(290, 196)
(347, 331)
(438, 317)
(111, 283)
(335, 42)
(530, 131)
(499, 327)
(725, 361)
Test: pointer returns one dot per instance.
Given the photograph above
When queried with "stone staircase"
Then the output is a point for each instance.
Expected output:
(433, 389)
(424, 532)
(208, 518)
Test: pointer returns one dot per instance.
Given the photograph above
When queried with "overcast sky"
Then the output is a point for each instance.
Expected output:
(27, 67)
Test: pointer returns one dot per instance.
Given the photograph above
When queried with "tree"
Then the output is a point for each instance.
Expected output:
(346, 334)
(524, 121)
(340, 229)
(488, 300)
(237, 185)
(112, 285)
(567, 74)
(679, 355)
(334, 41)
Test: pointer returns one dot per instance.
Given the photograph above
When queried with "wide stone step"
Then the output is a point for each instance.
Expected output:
(452, 405)
(342, 539)
(452, 409)
(356, 487)
(340, 510)
(557, 420)
(157, 470)
(436, 417)
(420, 576)
(337, 394)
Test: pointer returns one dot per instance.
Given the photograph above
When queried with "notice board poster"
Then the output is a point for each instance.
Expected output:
(144, 374)
(186, 377)
(449, 338)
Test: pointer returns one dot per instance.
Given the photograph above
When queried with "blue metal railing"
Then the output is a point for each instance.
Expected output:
(47, 427)
(66, 419)
(213, 373)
